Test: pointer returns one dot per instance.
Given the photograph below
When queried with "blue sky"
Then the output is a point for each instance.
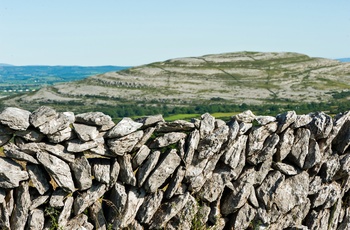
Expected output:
(130, 33)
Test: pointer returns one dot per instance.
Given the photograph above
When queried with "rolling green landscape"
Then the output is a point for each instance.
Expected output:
(266, 83)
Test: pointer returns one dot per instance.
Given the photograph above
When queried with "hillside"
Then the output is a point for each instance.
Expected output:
(231, 78)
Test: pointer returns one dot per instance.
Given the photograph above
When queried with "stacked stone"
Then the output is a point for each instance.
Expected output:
(84, 171)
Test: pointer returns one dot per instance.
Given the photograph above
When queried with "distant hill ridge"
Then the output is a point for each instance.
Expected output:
(243, 77)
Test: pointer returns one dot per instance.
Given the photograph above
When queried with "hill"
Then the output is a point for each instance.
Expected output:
(254, 78)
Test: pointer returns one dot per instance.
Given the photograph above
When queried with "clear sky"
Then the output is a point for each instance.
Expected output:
(135, 32)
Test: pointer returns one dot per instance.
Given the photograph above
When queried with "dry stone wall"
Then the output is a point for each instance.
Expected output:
(65, 171)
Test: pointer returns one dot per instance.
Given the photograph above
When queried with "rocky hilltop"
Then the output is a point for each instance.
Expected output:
(83, 171)
(244, 77)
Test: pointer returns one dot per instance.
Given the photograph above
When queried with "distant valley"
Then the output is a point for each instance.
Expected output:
(17, 79)
(267, 83)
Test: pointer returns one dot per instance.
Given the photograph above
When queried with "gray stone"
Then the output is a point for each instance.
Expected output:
(85, 132)
(244, 128)
(244, 217)
(62, 135)
(126, 173)
(285, 120)
(266, 152)
(140, 156)
(11, 173)
(57, 198)
(167, 139)
(101, 170)
(12, 151)
(344, 169)
(267, 189)
(314, 155)
(330, 168)
(65, 214)
(81, 171)
(118, 198)
(101, 150)
(291, 192)
(58, 170)
(15, 118)
(341, 134)
(315, 185)
(97, 216)
(300, 147)
(174, 126)
(264, 120)
(40, 200)
(286, 169)
(301, 121)
(285, 144)
(213, 188)
(321, 125)
(21, 209)
(163, 170)
(193, 141)
(59, 151)
(79, 222)
(75, 146)
(253, 199)
(103, 121)
(233, 151)
(246, 117)
(61, 122)
(36, 219)
(133, 203)
(2, 195)
(123, 128)
(168, 210)
(150, 120)
(87, 198)
(146, 136)
(327, 196)
(114, 174)
(345, 224)
(318, 220)
(38, 177)
(175, 182)
(185, 218)
(207, 124)
(4, 139)
(150, 205)
(262, 170)
(120, 146)
(42, 115)
(241, 190)
(30, 135)
(146, 168)
(4, 216)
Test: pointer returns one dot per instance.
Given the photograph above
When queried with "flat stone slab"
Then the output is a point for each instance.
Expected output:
(15, 118)
(11, 173)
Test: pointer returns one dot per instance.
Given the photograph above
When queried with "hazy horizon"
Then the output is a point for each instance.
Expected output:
(90, 33)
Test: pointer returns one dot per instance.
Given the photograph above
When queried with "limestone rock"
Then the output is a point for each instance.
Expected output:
(140, 156)
(266, 152)
(213, 188)
(246, 117)
(39, 201)
(61, 122)
(97, 216)
(207, 124)
(65, 214)
(15, 118)
(314, 155)
(162, 171)
(150, 120)
(241, 190)
(286, 169)
(57, 198)
(62, 135)
(146, 136)
(133, 203)
(89, 197)
(30, 135)
(118, 197)
(150, 205)
(120, 146)
(75, 146)
(168, 210)
(123, 128)
(193, 141)
(36, 219)
(79, 222)
(38, 177)
(12, 151)
(330, 168)
(175, 182)
(285, 120)
(85, 132)
(21, 209)
(146, 168)
(167, 139)
(327, 196)
(11, 173)
(302, 120)
(42, 115)
(341, 140)
(244, 217)
(58, 169)
(126, 173)
(4, 139)
(81, 170)
(285, 144)
(2, 195)
(300, 147)
(318, 220)
(291, 192)
(264, 120)
(114, 174)
(244, 128)
(103, 121)
(101, 170)
(59, 151)
(174, 126)
(321, 125)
